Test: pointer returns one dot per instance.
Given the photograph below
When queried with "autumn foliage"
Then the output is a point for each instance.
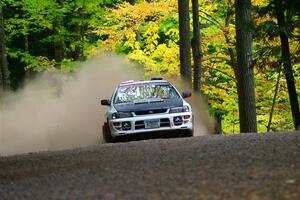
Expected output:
(147, 33)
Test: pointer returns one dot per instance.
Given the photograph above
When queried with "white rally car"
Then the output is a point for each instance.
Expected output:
(147, 107)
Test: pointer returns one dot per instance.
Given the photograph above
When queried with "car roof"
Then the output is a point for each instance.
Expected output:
(132, 82)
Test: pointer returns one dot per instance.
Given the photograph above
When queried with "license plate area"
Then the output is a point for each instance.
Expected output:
(152, 123)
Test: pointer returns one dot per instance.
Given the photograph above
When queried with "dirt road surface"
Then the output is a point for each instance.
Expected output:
(245, 166)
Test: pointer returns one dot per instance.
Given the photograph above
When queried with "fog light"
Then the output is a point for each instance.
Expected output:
(186, 117)
(117, 123)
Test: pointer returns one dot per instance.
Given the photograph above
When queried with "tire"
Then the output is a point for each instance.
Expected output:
(193, 129)
(188, 133)
(106, 133)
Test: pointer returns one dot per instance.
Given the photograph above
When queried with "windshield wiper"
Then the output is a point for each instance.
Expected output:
(141, 101)
(124, 102)
(151, 100)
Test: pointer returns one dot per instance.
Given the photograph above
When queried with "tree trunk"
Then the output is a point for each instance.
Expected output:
(4, 73)
(274, 100)
(287, 65)
(245, 74)
(138, 37)
(228, 18)
(26, 43)
(184, 39)
(218, 124)
(78, 53)
(196, 46)
(59, 44)
(79, 29)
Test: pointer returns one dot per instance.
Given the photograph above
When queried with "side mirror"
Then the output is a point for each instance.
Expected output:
(105, 102)
(186, 94)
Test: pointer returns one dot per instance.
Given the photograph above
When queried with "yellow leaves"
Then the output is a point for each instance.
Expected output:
(294, 46)
(158, 57)
(135, 15)
(160, 51)
(296, 31)
(259, 2)
(174, 36)
(151, 36)
(152, 30)
(125, 21)
(94, 50)
(138, 55)
(41, 63)
(131, 40)
(68, 65)
(135, 28)
(168, 57)
(211, 7)
(259, 20)
(136, 45)
(172, 32)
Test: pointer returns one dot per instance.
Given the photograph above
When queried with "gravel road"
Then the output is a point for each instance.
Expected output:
(245, 166)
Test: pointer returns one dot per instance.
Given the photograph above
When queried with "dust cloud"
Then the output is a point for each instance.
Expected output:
(203, 123)
(55, 112)
(39, 117)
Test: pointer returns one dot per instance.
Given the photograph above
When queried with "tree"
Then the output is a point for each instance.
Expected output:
(287, 64)
(245, 74)
(4, 73)
(184, 39)
(196, 46)
(268, 59)
(59, 43)
(274, 100)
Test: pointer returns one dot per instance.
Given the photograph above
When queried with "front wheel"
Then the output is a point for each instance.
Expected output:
(106, 133)
(188, 133)
(193, 130)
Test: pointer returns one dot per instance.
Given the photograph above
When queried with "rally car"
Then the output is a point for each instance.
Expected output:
(147, 107)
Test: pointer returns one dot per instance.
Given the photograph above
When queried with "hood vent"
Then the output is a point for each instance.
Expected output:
(150, 112)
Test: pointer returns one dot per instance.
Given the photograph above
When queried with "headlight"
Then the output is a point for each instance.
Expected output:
(179, 109)
(121, 115)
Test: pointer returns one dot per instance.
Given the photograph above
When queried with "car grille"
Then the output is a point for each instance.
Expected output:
(165, 122)
(149, 112)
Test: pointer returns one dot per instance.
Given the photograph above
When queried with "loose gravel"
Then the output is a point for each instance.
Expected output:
(244, 166)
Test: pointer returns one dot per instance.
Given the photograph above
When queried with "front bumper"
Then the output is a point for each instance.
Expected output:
(139, 124)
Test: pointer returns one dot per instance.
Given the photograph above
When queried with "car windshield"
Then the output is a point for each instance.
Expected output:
(144, 93)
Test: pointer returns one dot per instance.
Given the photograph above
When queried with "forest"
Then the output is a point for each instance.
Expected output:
(206, 41)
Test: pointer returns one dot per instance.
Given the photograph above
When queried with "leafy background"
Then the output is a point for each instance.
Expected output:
(147, 33)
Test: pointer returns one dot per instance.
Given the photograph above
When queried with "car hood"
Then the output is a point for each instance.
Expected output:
(132, 107)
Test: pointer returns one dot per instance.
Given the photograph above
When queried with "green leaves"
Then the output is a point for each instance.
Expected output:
(44, 35)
